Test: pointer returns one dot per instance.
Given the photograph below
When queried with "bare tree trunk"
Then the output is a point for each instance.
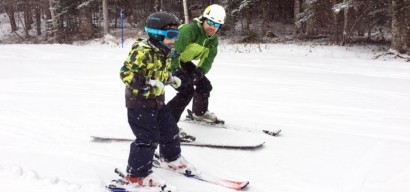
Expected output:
(9, 8)
(338, 18)
(297, 11)
(311, 26)
(116, 14)
(407, 27)
(56, 20)
(265, 16)
(157, 5)
(347, 24)
(281, 9)
(359, 23)
(311, 23)
(248, 20)
(45, 6)
(397, 24)
(134, 13)
(185, 11)
(27, 18)
(37, 13)
(86, 23)
(242, 24)
(106, 18)
(266, 10)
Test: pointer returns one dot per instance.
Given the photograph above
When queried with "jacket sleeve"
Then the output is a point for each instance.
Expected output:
(187, 36)
(208, 59)
(133, 72)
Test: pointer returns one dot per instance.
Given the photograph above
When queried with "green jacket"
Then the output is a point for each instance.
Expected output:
(144, 62)
(194, 44)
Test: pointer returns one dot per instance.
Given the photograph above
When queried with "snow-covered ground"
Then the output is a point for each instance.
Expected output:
(345, 119)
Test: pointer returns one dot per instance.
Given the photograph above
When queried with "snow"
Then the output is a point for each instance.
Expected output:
(344, 119)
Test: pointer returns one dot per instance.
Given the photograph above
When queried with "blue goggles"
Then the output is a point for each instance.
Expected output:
(211, 23)
(171, 34)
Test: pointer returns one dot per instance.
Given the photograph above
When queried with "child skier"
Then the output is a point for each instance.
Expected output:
(145, 72)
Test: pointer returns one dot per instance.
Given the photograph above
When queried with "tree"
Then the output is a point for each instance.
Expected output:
(9, 7)
(314, 17)
(86, 25)
(158, 5)
(186, 16)
(398, 26)
(310, 8)
(338, 18)
(27, 20)
(266, 16)
(407, 25)
(245, 8)
(106, 17)
(55, 9)
(297, 15)
(37, 15)
(347, 22)
(240, 10)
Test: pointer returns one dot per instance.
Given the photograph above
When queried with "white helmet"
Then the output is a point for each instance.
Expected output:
(215, 13)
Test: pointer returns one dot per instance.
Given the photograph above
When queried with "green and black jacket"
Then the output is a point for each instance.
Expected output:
(194, 44)
(144, 62)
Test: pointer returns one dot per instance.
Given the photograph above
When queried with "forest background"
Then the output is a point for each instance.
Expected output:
(339, 22)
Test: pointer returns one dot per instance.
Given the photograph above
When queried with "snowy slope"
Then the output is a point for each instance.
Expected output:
(345, 119)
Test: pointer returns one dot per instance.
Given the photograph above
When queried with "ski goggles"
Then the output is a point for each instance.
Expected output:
(171, 34)
(211, 23)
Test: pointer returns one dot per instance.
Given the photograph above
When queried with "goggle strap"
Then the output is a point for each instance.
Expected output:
(158, 31)
(155, 31)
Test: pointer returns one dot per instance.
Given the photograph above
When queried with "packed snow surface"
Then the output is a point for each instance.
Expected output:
(345, 119)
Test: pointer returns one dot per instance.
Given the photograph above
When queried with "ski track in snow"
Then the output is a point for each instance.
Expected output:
(344, 119)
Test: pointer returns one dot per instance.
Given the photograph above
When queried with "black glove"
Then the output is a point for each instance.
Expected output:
(139, 82)
(184, 76)
(197, 75)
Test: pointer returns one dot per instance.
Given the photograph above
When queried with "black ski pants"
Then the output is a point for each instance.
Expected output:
(199, 91)
(151, 127)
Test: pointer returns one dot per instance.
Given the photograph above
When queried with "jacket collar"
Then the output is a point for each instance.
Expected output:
(159, 47)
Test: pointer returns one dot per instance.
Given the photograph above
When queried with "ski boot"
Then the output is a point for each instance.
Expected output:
(184, 137)
(207, 118)
(129, 183)
(179, 165)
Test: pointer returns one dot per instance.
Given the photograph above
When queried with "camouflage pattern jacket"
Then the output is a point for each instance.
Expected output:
(145, 61)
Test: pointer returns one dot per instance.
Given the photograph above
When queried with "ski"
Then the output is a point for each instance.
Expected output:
(194, 143)
(224, 146)
(237, 185)
(110, 139)
(123, 185)
(221, 124)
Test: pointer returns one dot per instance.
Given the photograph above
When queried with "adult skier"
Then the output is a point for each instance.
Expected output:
(197, 41)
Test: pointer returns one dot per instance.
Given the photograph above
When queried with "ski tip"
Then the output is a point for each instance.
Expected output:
(237, 185)
(100, 139)
(218, 121)
(272, 133)
(241, 185)
(245, 185)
